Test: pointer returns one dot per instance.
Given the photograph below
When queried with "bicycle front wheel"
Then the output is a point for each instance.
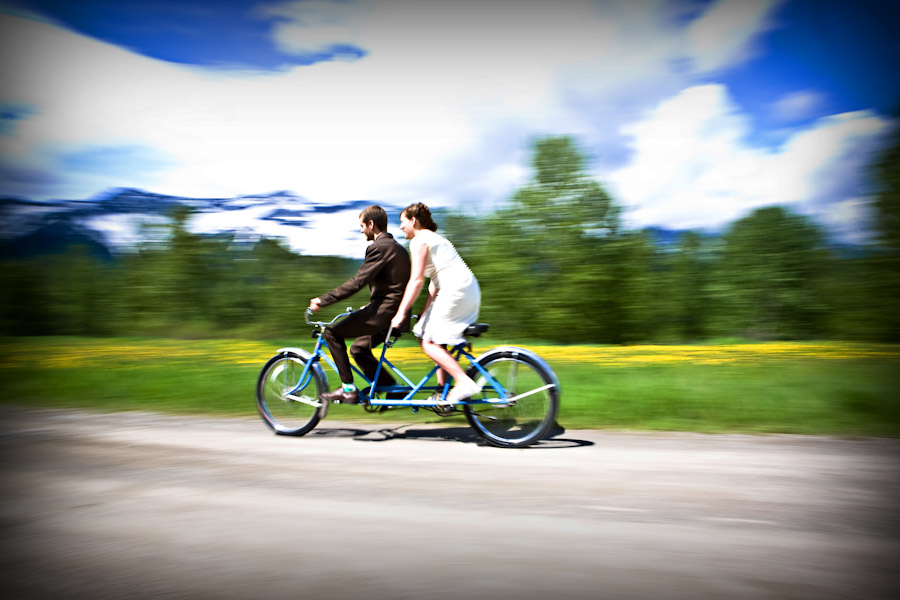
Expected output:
(287, 404)
(528, 406)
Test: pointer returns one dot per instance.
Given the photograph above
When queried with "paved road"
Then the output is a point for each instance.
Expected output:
(146, 506)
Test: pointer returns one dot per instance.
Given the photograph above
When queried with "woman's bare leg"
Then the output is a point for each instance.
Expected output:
(443, 359)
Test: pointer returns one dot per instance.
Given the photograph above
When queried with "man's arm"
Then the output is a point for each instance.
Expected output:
(371, 267)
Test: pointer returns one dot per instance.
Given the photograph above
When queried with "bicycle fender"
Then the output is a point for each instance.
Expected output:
(523, 351)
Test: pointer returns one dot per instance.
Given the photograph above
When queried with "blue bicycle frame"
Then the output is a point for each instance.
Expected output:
(410, 389)
(515, 405)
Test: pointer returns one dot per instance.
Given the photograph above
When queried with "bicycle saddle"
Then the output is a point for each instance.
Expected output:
(475, 329)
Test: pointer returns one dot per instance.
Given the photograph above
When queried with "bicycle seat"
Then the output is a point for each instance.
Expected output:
(475, 329)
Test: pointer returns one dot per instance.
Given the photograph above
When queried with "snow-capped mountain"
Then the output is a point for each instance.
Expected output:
(121, 218)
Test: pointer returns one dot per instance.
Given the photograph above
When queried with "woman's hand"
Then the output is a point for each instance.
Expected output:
(397, 321)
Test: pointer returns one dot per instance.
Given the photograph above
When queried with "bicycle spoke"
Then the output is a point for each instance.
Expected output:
(303, 399)
(526, 394)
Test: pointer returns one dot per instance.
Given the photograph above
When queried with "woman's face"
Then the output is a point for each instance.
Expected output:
(408, 226)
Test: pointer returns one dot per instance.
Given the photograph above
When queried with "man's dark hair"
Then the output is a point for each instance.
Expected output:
(375, 214)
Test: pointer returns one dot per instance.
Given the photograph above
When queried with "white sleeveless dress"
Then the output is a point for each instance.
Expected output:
(458, 297)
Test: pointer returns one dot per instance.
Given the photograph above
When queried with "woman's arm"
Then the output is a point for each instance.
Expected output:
(414, 287)
(432, 292)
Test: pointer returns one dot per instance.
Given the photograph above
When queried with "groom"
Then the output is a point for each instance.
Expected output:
(386, 271)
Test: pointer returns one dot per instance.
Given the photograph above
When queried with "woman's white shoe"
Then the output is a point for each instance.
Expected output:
(461, 391)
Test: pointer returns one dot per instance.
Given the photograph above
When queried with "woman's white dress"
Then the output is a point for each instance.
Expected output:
(458, 297)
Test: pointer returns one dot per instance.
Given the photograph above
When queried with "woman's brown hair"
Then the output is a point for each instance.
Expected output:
(422, 214)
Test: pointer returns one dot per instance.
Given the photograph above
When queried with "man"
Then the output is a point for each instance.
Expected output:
(386, 271)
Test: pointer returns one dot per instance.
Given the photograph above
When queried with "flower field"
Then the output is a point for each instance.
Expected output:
(78, 353)
(833, 388)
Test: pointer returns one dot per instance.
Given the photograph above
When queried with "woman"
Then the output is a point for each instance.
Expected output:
(453, 297)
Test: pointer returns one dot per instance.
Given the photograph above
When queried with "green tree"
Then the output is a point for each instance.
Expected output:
(886, 205)
(24, 306)
(678, 306)
(884, 292)
(77, 292)
(188, 271)
(541, 259)
(772, 278)
(623, 289)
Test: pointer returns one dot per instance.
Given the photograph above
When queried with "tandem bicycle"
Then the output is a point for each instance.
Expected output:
(516, 407)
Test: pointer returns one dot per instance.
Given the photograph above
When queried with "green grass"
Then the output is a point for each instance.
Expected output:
(831, 389)
(805, 396)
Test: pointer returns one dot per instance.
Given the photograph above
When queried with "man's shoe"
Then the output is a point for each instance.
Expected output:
(367, 392)
(341, 397)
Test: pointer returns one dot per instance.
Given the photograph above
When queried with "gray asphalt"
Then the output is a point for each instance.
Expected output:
(140, 505)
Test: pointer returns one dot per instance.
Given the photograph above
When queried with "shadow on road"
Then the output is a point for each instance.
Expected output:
(412, 431)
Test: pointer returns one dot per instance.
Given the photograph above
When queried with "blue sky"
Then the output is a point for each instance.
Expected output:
(692, 113)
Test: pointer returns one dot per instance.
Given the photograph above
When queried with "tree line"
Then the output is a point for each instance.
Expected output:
(555, 264)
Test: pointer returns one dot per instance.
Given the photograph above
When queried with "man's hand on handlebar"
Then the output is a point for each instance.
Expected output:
(314, 304)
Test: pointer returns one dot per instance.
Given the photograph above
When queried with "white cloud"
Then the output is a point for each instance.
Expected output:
(319, 130)
(441, 109)
(797, 105)
(692, 166)
(725, 34)
(438, 86)
(314, 25)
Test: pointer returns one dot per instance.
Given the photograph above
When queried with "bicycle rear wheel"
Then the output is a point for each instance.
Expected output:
(287, 405)
(533, 393)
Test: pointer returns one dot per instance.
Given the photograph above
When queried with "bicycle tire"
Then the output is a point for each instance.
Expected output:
(284, 415)
(529, 418)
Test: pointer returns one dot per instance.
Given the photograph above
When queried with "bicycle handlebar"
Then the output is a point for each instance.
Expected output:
(322, 324)
(309, 313)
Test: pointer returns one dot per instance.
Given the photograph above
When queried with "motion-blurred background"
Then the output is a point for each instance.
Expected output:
(614, 172)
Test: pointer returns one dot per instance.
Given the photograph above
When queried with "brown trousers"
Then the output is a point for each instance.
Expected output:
(369, 331)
